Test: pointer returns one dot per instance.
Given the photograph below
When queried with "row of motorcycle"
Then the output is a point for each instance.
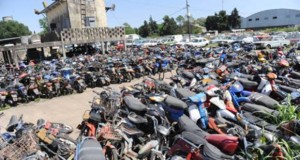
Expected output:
(218, 106)
(55, 78)
(209, 110)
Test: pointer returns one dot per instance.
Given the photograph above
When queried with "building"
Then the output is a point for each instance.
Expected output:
(75, 14)
(7, 18)
(272, 18)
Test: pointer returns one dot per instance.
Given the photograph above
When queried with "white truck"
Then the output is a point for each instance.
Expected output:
(272, 42)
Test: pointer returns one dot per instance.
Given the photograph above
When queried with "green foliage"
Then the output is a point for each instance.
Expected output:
(212, 22)
(223, 24)
(169, 26)
(234, 19)
(287, 113)
(153, 27)
(44, 25)
(9, 29)
(222, 21)
(128, 29)
(144, 30)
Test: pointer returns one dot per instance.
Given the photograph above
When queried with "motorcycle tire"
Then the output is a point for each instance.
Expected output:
(111, 153)
(26, 99)
(64, 140)
(49, 95)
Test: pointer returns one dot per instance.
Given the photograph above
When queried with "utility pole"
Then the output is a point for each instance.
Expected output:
(188, 16)
(222, 5)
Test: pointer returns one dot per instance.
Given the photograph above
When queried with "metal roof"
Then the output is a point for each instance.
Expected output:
(51, 6)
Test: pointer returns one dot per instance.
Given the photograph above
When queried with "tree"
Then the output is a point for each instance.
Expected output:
(128, 29)
(211, 22)
(153, 27)
(234, 19)
(169, 26)
(222, 21)
(9, 29)
(180, 20)
(144, 30)
(44, 25)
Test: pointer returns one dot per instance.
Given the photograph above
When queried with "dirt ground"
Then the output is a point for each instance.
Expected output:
(65, 109)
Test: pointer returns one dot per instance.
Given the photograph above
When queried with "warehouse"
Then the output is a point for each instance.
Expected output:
(272, 18)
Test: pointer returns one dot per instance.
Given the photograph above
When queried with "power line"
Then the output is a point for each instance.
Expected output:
(173, 13)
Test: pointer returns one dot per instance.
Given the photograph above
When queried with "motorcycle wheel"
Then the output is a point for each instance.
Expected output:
(68, 145)
(79, 89)
(49, 95)
(70, 91)
(26, 99)
(111, 153)
(58, 93)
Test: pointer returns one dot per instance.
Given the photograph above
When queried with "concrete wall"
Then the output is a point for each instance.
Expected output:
(74, 13)
(60, 16)
(68, 14)
(94, 8)
(272, 18)
(101, 18)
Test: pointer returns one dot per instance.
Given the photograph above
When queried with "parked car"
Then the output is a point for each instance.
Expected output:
(129, 42)
(272, 42)
(169, 41)
(198, 42)
(183, 42)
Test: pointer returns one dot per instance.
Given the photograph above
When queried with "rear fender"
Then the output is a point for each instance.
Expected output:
(218, 102)
(194, 113)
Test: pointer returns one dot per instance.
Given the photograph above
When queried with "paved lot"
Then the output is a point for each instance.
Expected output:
(65, 109)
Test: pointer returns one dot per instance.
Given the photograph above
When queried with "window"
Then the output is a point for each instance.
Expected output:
(249, 19)
(90, 22)
(297, 15)
(266, 18)
(288, 16)
(257, 19)
(275, 17)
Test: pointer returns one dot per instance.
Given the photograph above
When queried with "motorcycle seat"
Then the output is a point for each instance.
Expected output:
(137, 119)
(295, 74)
(259, 109)
(217, 139)
(264, 100)
(175, 102)
(188, 75)
(90, 149)
(287, 88)
(260, 122)
(194, 138)
(186, 124)
(131, 131)
(247, 83)
(2, 90)
(134, 104)
(184, 93)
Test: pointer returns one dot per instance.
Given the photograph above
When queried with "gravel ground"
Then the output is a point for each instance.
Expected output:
(65, 109)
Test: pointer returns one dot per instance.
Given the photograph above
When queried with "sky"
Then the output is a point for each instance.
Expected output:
(135, 12)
